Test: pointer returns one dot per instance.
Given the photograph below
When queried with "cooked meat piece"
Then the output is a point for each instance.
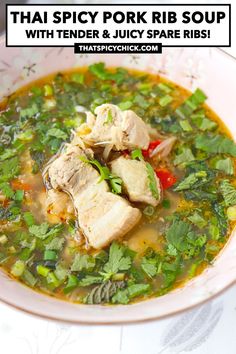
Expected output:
(69, 173)
(123, 129)
(59, 203)
(102, 215)
(135, 179)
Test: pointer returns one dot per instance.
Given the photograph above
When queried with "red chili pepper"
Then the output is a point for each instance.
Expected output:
(151, 147)
(167, 179)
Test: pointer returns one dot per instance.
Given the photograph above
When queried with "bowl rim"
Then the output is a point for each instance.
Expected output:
(115, 322)
(127, 321)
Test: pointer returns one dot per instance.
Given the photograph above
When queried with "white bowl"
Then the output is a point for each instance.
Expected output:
(210, 69)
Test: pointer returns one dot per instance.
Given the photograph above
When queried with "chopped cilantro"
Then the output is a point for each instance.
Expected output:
(9, 169)
(149, 266)
(117, 261)
(56, 244)
(7, 190)
(83, 262)
(43, 231)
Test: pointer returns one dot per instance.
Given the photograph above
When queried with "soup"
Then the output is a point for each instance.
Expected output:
(115, 186)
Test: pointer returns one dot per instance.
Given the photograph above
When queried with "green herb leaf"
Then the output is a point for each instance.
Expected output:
(49, 255)
(103, 293)
(19, 195)
(137, 154)
(71, 284)
(29, 218)
(219, 211)
(6, 190)
(7, 153)
(100, 71)
(57, 133)
(29, 112)
(125, 105)
(229, 192)
(197, 220)
(207, 124)
(138, 289)
(39, 231)
(18, 268)
(90, 280)
(78, 78)
(116, 262)
(225, 165)
(141, 101)
(29, 278)
(103, 170)
(61, 272)
(39, 158)
(43, 231)
(185, 125)
(192, 179)
(191, 104)
(116, 184)
(109, 117)
(26, 135)
(202, 122)
(105, 174)
(152, 181)
(165, 100)
(215, 144)
(121, 297)
(149, 266)
(177, 234)
(164, 87)
(185, 156)
(83, 262)
(9, 169)
(56, 244)
(134, 290)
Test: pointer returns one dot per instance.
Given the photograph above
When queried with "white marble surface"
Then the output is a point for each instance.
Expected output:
(207, 329)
